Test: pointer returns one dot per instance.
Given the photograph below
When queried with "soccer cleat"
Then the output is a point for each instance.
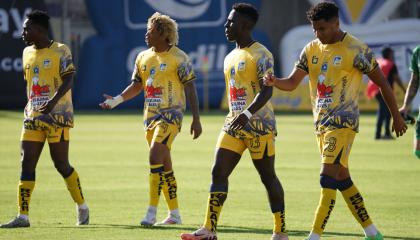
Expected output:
(17, 222)
(82, 216)
(171, 219)
(148, 221)
(201, 234)
(279, 236)
(378, 236)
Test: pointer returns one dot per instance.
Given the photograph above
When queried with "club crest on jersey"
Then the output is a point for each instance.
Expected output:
(47, 63)
(324, 67)
(314, 60)
(36, 70)
(337, 60)
(241, 66)
(162, 67)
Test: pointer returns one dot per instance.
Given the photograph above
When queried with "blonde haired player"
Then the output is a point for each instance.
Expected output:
(48, 71)
(165, 74)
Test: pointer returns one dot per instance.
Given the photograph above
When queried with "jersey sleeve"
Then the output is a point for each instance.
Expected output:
(414, 65)
(364, 60)
(66, 62)
(185, 70)
(265, 65)
(136, 77)
(302, 62)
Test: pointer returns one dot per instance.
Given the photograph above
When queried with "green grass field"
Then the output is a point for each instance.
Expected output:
(110, 153)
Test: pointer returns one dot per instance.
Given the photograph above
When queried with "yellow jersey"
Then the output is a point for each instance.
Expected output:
(163, 75)
(335, 75)
(244, 70)
(43, 70)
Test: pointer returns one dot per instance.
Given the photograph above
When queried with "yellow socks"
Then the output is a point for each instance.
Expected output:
(170, 190)
(73, 185)
(279, 222)
(356, 205)
(325, 207)
(156, 181)
(218, 194)
(25, 189)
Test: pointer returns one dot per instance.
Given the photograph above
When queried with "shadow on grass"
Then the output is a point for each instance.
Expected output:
(226, 229)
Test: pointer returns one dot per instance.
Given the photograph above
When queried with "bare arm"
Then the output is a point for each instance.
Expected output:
(191, 94)
(286, 84)
(67, 84)
(413, 87)
(378, 78)
(129, 92)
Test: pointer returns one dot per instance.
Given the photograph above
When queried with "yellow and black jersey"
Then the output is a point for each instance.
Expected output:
(335, 75)
(43, 72)
(163, 75)
(244, 69)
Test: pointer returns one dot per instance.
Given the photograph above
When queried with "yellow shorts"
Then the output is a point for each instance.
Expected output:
(163, 132)
(43, 131)
(258, 147)
(335, 146)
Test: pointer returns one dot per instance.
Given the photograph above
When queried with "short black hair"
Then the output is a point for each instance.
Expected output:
(322, 11)
(247, 10)
(387, 52)
(40, 18)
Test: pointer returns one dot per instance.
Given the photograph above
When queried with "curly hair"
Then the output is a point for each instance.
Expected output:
(166, 26)
(322, 11)
(40, 18)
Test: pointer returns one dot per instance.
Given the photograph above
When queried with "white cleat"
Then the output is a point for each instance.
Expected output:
(17, 222)
(279, 236)
(201, 234)
(171, 220)
(82, 216)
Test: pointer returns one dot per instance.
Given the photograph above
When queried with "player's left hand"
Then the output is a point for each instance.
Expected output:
(239, 122)
(399, 126)
(196, 129)
(47, 107)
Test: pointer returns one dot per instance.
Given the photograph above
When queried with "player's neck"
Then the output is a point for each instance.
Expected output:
(339, 36)
(164, 47)
(245, 42)
(43, 43)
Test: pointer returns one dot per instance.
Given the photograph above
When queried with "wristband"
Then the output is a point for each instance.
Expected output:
(247, 113)
(113, 102)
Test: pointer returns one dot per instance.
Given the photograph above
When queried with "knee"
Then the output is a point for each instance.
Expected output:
(63, 168)
(268, 179)
(328, 182)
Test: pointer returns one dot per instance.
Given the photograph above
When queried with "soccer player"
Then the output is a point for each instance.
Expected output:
(165, 73)
(250, 123)
(48, 71)
(335, 63)
(412, 91)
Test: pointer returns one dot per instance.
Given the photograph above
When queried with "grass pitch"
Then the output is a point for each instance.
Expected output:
(110, 153)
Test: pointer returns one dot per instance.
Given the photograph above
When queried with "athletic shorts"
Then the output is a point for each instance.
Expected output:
(335, 146)
(39, 132)
(162, 132)
(258, 147)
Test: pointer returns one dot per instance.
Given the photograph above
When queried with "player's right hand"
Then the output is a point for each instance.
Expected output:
(399, 126)
(269, 79)
(111, 102)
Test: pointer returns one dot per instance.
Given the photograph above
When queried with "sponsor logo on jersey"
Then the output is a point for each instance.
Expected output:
(337, 60)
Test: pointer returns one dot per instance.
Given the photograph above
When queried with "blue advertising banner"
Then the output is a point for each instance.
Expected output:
(107, 59)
